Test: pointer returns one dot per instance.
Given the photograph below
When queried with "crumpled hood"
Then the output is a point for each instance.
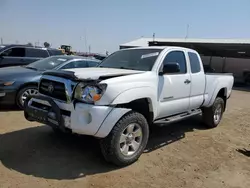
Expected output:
(101, 73)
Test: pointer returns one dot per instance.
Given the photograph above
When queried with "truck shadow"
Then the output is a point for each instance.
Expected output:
(241, 87)
(162, 136)
(8, 108)
(39, 152)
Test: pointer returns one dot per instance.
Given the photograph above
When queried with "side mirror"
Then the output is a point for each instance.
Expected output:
(170, 68)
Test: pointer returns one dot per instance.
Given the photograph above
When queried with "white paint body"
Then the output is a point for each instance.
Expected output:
(167, 94)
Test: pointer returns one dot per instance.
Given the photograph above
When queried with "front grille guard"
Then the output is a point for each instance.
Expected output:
(69, 87)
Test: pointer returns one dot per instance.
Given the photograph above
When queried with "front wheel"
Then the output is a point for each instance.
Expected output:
(24, 93)
(213, 115)
(127, 140)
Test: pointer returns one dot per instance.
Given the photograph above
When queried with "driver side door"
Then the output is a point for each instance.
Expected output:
(174, 89)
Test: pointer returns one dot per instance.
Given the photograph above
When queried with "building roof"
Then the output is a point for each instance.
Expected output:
(145, 41)
(210, 47)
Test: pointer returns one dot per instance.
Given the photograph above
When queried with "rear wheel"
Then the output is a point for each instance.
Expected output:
(213, 115)
(24, 93)
(127, 140)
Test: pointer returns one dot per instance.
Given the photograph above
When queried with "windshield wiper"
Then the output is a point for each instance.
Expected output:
(118, 68)
(125, 68)
(32, 68)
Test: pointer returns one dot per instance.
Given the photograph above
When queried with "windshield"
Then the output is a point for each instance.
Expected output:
(135, 59)
(48, 63)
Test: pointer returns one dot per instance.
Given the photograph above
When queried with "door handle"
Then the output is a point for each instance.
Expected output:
(187, 81)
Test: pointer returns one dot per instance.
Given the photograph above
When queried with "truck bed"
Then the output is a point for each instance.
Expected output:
(216, 81)
(220, 74)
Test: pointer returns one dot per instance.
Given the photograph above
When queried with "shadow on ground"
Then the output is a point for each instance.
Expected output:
(162, 136)
(244, 152)
(4, 108)
(241, 87)
(39, 152)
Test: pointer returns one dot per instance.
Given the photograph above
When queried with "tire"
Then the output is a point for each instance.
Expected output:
(24, 91)
(113, 144)
(209, 113)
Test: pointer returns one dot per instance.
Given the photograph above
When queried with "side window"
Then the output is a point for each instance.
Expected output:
(93, 63)
(55, 52)
(75, 64)
(33, 52)
(14, 52)
(176, 57)
(194, 62)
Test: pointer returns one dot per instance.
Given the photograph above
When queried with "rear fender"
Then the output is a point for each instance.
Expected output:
(210, 100)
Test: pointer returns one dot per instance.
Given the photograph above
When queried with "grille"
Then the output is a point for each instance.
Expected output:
(53, 89)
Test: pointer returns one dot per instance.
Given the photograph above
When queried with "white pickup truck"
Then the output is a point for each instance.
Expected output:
(131, 90)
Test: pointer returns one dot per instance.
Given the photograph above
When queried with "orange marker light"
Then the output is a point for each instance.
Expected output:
(8, 83)
(96, 97)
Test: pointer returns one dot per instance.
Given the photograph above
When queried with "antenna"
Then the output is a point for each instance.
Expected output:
(153, 37)
(1, 40)
(187, 32)
(85, 38)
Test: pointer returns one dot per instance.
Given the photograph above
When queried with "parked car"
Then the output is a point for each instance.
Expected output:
(16, 83)
(14, 55)
(129, 91)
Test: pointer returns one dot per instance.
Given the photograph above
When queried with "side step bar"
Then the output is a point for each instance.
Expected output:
(179, 117)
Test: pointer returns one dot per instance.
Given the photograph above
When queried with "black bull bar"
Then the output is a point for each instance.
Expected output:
(50, 116)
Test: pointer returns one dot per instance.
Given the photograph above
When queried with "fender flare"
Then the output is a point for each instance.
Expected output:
(138, 93)
(215, 93)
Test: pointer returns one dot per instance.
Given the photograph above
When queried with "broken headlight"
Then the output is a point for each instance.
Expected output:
(89, 93)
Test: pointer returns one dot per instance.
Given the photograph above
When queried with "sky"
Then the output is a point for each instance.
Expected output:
(103, 25)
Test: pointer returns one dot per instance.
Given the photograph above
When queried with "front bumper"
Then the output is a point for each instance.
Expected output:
(80, 118)
(7, 97)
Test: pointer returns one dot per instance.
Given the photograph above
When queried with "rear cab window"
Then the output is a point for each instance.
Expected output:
(93, 63)
(36, 52)
(75, 64)
(55, 52)
(14, 52)
(194, 62)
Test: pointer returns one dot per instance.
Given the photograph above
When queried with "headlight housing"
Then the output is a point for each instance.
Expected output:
(89, 93)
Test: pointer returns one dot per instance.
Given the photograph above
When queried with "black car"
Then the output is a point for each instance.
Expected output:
(16, 83)
(13, 55)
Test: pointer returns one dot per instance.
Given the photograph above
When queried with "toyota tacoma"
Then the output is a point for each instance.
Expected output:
(130, 91)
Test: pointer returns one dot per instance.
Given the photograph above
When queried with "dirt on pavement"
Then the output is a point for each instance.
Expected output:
(179, 155)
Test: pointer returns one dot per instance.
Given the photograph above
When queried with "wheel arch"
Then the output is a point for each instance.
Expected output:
(29, 84)
(141, 105)
(143, 96)
(223, 94)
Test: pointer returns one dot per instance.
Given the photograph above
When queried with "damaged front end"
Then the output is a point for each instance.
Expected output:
(67, 103)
